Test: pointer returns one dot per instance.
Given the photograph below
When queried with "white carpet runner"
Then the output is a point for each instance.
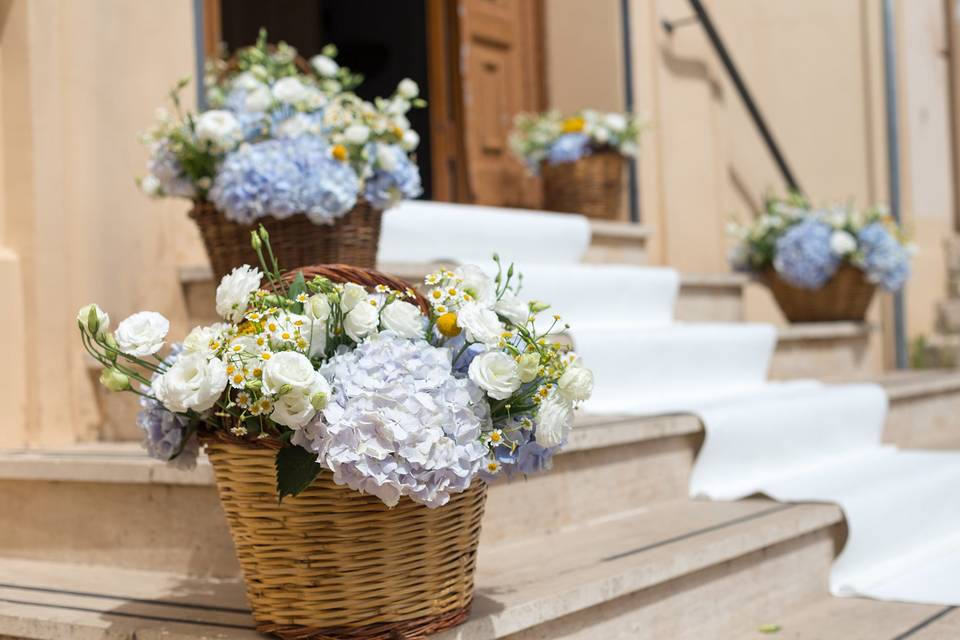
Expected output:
(794, 441)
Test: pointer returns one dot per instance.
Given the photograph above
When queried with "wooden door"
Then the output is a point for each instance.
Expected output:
(501, 75)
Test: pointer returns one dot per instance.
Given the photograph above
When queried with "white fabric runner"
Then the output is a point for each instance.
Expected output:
(794, 441)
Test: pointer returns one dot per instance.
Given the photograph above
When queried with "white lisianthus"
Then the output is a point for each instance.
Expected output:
(317, 307)
(480, 324)
(615, 122)
(246, 81)
(529, 366)
(150, 185)
(356, 134)
(200, 339)
(496, 373)
(477, 283)
(142, 334)
(554, 421)
(601, 135)
(842, 243)
(386, 159)
(361, 321)
(234, 291)
(194, 382)
(296, 125)
(96, 322)
(403, 318)
(290, 90)
(325, 66)
(513, 309)
(353, 294)
(302, 390)
(258, 98)
(576, 383)
(411, 140)
(397, 107)
(408, 89)
(220, 128)
(317, 337)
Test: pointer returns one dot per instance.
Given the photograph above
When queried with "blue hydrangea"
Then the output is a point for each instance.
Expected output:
(165, 431)
(803, 255)
(282, 177)
(384, 188)
(520, 453)
(569, 147)
(168, 171)
(883, 259)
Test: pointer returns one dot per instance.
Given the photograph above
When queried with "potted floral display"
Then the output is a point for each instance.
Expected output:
(374, 413)
(581, 157)
(284, 143)
(823, 264)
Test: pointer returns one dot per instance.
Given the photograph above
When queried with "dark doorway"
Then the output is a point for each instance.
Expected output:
(385, 40)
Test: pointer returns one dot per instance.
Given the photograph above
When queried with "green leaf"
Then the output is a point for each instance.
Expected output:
(296, 469)
(297, 287)
(769, 628)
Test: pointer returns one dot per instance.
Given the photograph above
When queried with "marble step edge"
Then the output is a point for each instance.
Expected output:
(73, 601)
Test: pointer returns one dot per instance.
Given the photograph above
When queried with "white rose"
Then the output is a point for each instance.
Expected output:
(101, 319)
(411, 140)
(325, 66)
(290, 90)
(150, 185)
(513, 309)
(576, 383)
(386, 158)
(842, 243)
(199, 338)
(220, 128)
(300, 402)
(317, 307)
(356, 134)
(288, 368)
(480, 324)
(554, 421)
(496, 373)
(408, 89)
(353, 294)
(193, 382)
(258, 99)
(615, 122)
(234, 291)
(403, 318)
(142, 334)
(477, 283)
(361, 321)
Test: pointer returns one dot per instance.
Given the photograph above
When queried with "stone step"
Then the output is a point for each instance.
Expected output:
(948, 316)
(142, 505)
(830, 618)
(676, 570)
(824, 350)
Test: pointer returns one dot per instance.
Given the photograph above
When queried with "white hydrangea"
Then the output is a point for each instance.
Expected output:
(398, 423)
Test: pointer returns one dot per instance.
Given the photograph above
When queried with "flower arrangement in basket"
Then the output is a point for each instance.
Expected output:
(375, 414)
(285, 143)
(581, 157)
(823, 264)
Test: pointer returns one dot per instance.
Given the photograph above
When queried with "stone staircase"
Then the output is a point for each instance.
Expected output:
(943, 348)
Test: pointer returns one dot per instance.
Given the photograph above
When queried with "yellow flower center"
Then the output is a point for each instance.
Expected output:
(447, 324)
(573, 125)
(339, 152)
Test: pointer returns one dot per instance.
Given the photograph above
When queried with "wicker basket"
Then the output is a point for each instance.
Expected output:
(296, 241)
(334, 563)
(592, 186)
(845, 297)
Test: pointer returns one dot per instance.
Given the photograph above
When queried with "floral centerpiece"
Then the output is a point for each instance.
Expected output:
(349, 400)
(823, 264)
(286, 143)
(581, 157)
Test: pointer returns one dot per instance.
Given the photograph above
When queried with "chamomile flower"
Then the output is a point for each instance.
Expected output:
(243, 400)
(262, 406)
(496, 436)
(238, 380)
(432, 279)
(302, 297)
(492, 466)
(254, 316)
(382, 288)
(239, 430)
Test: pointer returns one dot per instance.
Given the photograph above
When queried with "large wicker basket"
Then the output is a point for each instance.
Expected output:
(334, 563)
(845, 297)
(352, 239)
(592, 185)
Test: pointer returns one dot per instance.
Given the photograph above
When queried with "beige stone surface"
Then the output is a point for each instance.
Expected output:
(944, 627)
(826, 350)
(710, 298)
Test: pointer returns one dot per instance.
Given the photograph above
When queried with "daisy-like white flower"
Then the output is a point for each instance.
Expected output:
(496, 436)
(492, 466)
(302, 297)
(239, 430)
(432, 279)
(243, 400)
(382, 288)
(237, 379)
(254, 316)
(262, 406)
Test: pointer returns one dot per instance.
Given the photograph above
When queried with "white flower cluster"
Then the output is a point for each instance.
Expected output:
(551, 137)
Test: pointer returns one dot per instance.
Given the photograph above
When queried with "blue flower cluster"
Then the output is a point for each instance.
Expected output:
(569, 147)
(168, 171)
(520, 452)
(885, 261)
(282, 177)
(384, 188)
(803, 255)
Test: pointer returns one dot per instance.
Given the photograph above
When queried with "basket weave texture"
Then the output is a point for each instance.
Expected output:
(592, 185)
(351, 239)
(332, 563)
(845, 297)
